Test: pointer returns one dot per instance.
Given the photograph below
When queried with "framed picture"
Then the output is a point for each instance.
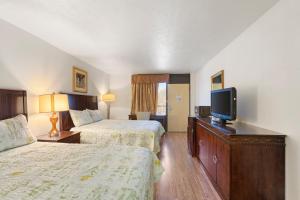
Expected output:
(217, 80)
(80, 80)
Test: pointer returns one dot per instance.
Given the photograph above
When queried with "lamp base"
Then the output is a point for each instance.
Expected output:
(108, 110)
(53, 120)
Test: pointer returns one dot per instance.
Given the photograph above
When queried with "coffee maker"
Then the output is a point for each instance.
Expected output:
(202, 111)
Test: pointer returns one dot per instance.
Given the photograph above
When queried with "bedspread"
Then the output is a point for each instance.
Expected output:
(126, 132)
(77, 171)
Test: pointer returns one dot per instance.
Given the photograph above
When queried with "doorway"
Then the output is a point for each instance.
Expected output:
(178, 102)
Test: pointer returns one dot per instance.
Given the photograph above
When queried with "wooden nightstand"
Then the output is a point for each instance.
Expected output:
(63, 137)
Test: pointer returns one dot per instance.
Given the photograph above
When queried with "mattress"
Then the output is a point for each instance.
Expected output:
(142, 133)
(41, 171)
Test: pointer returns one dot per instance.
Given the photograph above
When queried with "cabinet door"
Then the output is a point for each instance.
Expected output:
(207, 150)
(197, 141)
(202, 145)
(223, 167)
(191, 136)
(211, 160)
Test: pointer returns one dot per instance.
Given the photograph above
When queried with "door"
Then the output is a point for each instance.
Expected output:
(178, 107)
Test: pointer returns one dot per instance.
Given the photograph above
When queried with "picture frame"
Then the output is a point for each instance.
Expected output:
(217, 80)
(80, 80)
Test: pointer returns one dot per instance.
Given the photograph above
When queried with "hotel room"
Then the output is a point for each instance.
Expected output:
(149, 100)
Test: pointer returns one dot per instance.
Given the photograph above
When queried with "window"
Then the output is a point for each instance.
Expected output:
(162, 99)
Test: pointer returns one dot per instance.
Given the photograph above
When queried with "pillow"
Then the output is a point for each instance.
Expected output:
(80, 117)
(14, 132)
(143, 115)
(96, 115)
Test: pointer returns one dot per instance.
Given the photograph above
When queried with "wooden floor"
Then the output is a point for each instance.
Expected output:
(183, 178)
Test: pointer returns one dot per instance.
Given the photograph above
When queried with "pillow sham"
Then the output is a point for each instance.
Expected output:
(96, 115)
(14, 132)
(80, 117)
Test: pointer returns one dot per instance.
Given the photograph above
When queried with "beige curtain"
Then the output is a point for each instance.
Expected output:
(144, 88)
(144, 97)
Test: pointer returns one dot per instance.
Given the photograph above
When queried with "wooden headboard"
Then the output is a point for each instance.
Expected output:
(76, 102)
(12, 103)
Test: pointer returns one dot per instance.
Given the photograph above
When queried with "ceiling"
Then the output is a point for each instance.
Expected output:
(136, 36)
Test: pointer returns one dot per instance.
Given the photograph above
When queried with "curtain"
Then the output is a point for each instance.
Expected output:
(144, 97)
(144, 88)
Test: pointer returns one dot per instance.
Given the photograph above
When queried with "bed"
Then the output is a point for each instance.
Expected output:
(77, 171)
(71, 171)
(126, 132)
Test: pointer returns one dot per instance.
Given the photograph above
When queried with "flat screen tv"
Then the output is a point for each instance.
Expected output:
(223, 104)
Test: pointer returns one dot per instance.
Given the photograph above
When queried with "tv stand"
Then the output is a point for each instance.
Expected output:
(242, 161)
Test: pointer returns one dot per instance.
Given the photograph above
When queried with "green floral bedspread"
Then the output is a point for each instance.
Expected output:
(77, 171)
(126, 132)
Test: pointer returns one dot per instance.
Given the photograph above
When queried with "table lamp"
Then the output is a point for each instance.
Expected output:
(108, 98)
(53, 103)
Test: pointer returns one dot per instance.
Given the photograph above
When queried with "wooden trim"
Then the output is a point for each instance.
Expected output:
(76, 102)
(12, 103)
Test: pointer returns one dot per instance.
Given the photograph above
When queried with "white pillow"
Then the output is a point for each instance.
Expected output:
(96, 115)
(14, 132)
(80, 117)
(143, 115)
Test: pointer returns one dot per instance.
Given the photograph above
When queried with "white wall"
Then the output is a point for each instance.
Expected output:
(28, 63)
(120, 85)
(263, 64)
(193, 89)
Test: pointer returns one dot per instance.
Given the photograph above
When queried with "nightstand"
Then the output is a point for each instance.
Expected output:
(62, 137)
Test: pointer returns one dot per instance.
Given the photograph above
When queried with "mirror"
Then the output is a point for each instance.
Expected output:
(217, 81)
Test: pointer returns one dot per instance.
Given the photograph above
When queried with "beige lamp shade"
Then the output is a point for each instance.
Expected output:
(53, 103)
(109, 97)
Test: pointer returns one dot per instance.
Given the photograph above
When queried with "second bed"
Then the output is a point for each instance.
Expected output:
(126, 132)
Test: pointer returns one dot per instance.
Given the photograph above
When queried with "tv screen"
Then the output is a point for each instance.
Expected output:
(223, 103)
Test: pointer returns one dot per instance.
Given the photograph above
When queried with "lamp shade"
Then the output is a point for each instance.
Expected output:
(109, 97)
(53, 103)
(61, 102)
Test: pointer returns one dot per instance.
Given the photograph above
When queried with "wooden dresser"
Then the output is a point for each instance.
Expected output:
(243, 162)
(191, 136)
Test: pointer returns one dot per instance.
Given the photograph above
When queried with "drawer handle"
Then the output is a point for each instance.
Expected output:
(215, 159)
